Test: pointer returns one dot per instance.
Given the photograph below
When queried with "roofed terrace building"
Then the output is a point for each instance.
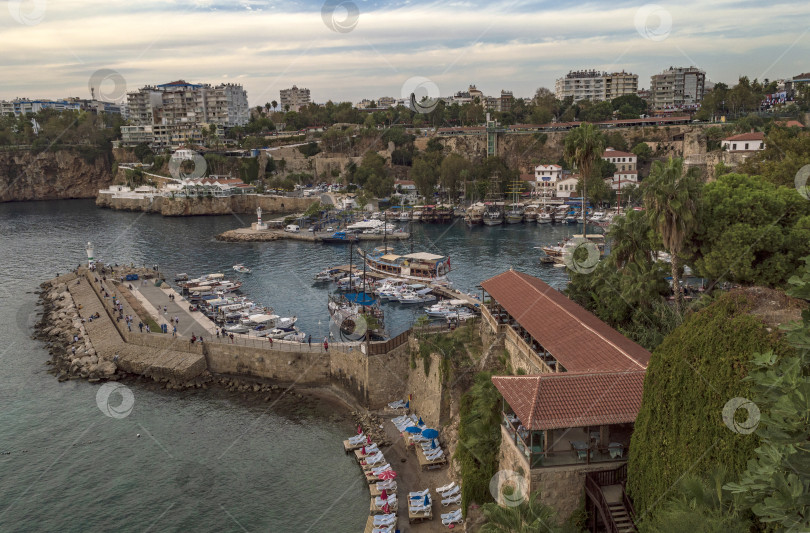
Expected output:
(567, 424)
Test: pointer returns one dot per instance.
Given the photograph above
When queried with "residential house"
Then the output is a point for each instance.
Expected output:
(546, 178)
(745, 142)
(626, 168)
(567, 186)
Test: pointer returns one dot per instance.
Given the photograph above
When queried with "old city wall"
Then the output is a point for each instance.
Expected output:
(427, 392)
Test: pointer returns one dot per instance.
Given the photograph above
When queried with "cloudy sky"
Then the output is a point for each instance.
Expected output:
(354, 49)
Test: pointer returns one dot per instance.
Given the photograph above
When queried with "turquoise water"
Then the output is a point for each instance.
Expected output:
(204, 461)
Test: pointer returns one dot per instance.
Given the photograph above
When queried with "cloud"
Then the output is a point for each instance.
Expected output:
(271, 45)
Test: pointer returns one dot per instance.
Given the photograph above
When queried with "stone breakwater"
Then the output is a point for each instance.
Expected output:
(106, 348)
(73, 355)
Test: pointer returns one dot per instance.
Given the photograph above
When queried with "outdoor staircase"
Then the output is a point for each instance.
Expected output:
(608, 501)
(621, 518)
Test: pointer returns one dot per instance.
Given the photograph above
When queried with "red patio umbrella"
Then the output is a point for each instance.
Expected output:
(384, 495)
(363, 450)
(386, 508)
(368, 439)
(388, 474)
(359, 429)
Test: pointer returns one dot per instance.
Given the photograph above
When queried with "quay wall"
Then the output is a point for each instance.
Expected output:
(241, 204)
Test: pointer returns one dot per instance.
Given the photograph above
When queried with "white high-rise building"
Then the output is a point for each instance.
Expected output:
(594, 85)
(293, 99)
(176, 112)
(678, 87)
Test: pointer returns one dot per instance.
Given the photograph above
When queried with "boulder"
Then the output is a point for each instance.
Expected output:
(106, 369)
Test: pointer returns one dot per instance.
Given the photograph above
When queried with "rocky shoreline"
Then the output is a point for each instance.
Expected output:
(65, 336)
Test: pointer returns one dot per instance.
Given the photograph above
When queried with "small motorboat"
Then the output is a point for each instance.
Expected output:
(238, 328)
(181, 277)
(296, 337)
(242, 268)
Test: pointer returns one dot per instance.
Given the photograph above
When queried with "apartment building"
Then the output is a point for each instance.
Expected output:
(678, 88)
(175, 113)
(293, 99)
(595, 85)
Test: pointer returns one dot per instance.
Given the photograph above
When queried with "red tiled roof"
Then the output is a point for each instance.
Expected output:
(574, 336)
(617, 153)
(404, 182)
(569, 399)
(790, 123)
(527, 177)
(753, 136)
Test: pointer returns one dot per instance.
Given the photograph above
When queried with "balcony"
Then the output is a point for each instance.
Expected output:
(569, 446)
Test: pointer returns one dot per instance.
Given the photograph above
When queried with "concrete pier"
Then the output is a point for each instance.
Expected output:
(252, 235)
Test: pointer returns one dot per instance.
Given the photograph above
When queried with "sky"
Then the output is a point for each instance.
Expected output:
(355, 49)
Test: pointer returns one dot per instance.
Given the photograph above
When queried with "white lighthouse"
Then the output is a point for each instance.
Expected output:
(259, 225)
(90, 253)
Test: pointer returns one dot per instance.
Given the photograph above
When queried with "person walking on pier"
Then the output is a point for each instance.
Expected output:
(174, 331)
(309, 340)
(140, 326)
(325, 345)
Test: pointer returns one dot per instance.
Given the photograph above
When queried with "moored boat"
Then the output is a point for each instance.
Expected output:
(419, 266)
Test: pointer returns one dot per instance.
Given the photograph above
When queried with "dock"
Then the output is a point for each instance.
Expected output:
(438, 290)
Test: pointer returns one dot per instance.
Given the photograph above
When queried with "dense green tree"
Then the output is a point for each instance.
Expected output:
(750, 231)
(691, 376)
(776, 484)
(629, 106)
(379, 186)
(643, 152)
(786, 151)
(371, 164)
(425, 173)
(453, 171)
(671, 197)
(595, 111)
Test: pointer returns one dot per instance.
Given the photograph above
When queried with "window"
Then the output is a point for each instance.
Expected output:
(734, 146)
(746, 146)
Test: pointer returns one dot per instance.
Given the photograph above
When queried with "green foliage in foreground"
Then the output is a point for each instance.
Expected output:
(776, 484)
(691, 376)
(699, 505)
(750, 231)
(531, 516)
(479, 440)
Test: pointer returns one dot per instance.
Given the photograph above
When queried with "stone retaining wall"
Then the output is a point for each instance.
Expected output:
(241, 204)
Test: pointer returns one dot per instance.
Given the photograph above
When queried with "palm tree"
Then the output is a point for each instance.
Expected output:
(531, 516)
(267, 107)
(670, 197)
(583, 146)
(630, 240)
(274, 104)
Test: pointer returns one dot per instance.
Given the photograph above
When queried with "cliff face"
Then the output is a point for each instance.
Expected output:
(51, 176)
